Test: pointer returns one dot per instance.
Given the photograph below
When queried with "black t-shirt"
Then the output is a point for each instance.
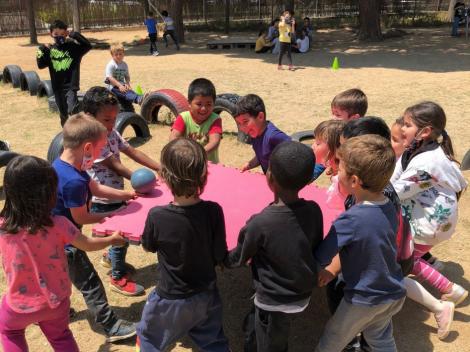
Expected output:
(280, 241)
(189, 242)
(64, 61)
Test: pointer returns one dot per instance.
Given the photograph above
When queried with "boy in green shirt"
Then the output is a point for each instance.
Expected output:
(199, 122)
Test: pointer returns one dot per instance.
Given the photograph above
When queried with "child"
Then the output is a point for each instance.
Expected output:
(374, 289)
(262, 43)
(348, 105)
(443, 311)
(63, 59)
(397, 137)
(308, 28)
(429, 183)
(169, 30)
(186, 299)
(117, 76)
(286, 30)
(84, 137)
(280, 242)
(327, 141)
(152, 31)
(31, 241)
(302, 43)
(251, 119)
(200, 123)
(108, 170)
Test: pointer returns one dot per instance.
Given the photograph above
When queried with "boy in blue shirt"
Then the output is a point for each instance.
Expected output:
(365, 237)
(152, 30)
(84, 137)
(251, 119)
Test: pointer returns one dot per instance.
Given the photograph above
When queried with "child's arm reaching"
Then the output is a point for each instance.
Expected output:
(330, 272)
(88, 244)
(119, 168)
(43, 56)
(247, 247)
(214, 141)
(103, 191)
(141, 158)
(250, 165)
(82, 216)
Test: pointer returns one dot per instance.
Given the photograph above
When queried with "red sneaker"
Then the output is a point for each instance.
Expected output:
(126, 286)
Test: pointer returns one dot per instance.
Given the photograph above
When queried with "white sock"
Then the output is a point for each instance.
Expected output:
(419, 294)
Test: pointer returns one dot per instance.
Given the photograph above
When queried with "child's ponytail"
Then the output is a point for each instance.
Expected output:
(447, 147)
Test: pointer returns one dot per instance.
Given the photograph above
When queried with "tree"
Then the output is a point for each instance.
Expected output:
(369, 20)
(227, 16)
(451, 10)
(33, 37)
(176, 11)
(76, 15)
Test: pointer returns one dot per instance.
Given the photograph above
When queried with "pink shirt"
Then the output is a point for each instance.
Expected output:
(36, 266)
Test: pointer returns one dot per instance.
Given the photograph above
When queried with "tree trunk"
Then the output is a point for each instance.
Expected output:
(176, 12)
(76, 15)
(227, 16)
(369, 20)
(33, 37)
(146, 7)
(451, 10)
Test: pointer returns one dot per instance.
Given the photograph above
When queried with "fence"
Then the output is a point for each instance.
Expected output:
(108, 13)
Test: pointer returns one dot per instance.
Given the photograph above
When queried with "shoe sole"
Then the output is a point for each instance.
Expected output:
(112, 339)
(443, 337)
(457, 302)
(124, 293)
(105, 264)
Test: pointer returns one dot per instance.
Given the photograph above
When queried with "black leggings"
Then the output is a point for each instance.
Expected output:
(285, 48)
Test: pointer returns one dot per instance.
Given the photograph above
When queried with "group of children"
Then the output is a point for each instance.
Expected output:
(388, 191)
(399, 190)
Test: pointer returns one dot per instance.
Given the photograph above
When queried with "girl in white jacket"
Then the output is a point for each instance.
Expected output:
(428, 182)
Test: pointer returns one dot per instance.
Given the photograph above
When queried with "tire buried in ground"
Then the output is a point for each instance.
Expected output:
(45, 89)
(303, 135)
(172, 99)
(137, 122)
(55, 148)
(12, 74)
(228, 103)
(466, 161)
(6, 156)
(29, 80)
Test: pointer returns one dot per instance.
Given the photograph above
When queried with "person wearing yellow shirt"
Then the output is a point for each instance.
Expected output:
(286, 30)
(262, 44)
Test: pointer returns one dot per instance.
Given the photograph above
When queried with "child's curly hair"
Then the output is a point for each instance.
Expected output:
(184, 167)
(30, 186)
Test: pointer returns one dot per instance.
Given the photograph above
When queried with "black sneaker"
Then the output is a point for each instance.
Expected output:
(122, 330)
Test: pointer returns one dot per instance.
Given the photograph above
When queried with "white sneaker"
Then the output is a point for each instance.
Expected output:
(456, 295)
(156, 53)
(444, 320)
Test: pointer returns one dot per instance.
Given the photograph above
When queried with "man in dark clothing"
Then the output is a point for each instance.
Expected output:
(63, 59)
(280, 242)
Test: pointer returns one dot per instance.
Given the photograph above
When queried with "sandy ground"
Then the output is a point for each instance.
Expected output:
(427, 64)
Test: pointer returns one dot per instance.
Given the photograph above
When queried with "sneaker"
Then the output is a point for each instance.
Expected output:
(4, 146)
(106, 261)
(122, 330)
(444, 320)
(279, 67)
(178, 47)
(126, 286)
(156, 53)
(456, 295)
(291, 68)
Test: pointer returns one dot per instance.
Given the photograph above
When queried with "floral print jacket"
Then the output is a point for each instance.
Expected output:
(428, 193)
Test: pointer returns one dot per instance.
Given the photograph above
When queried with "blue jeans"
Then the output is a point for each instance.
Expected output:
(117, 255)
(164, 321)
(455, 26)
(130, 95)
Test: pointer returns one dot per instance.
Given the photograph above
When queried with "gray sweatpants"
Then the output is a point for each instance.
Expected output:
(375, 322)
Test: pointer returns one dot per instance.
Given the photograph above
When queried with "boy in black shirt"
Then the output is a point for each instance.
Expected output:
(280, 241)
(63, 59)
(189, 236)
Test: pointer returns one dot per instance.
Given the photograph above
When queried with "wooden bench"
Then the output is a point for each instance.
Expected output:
(231, 43)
